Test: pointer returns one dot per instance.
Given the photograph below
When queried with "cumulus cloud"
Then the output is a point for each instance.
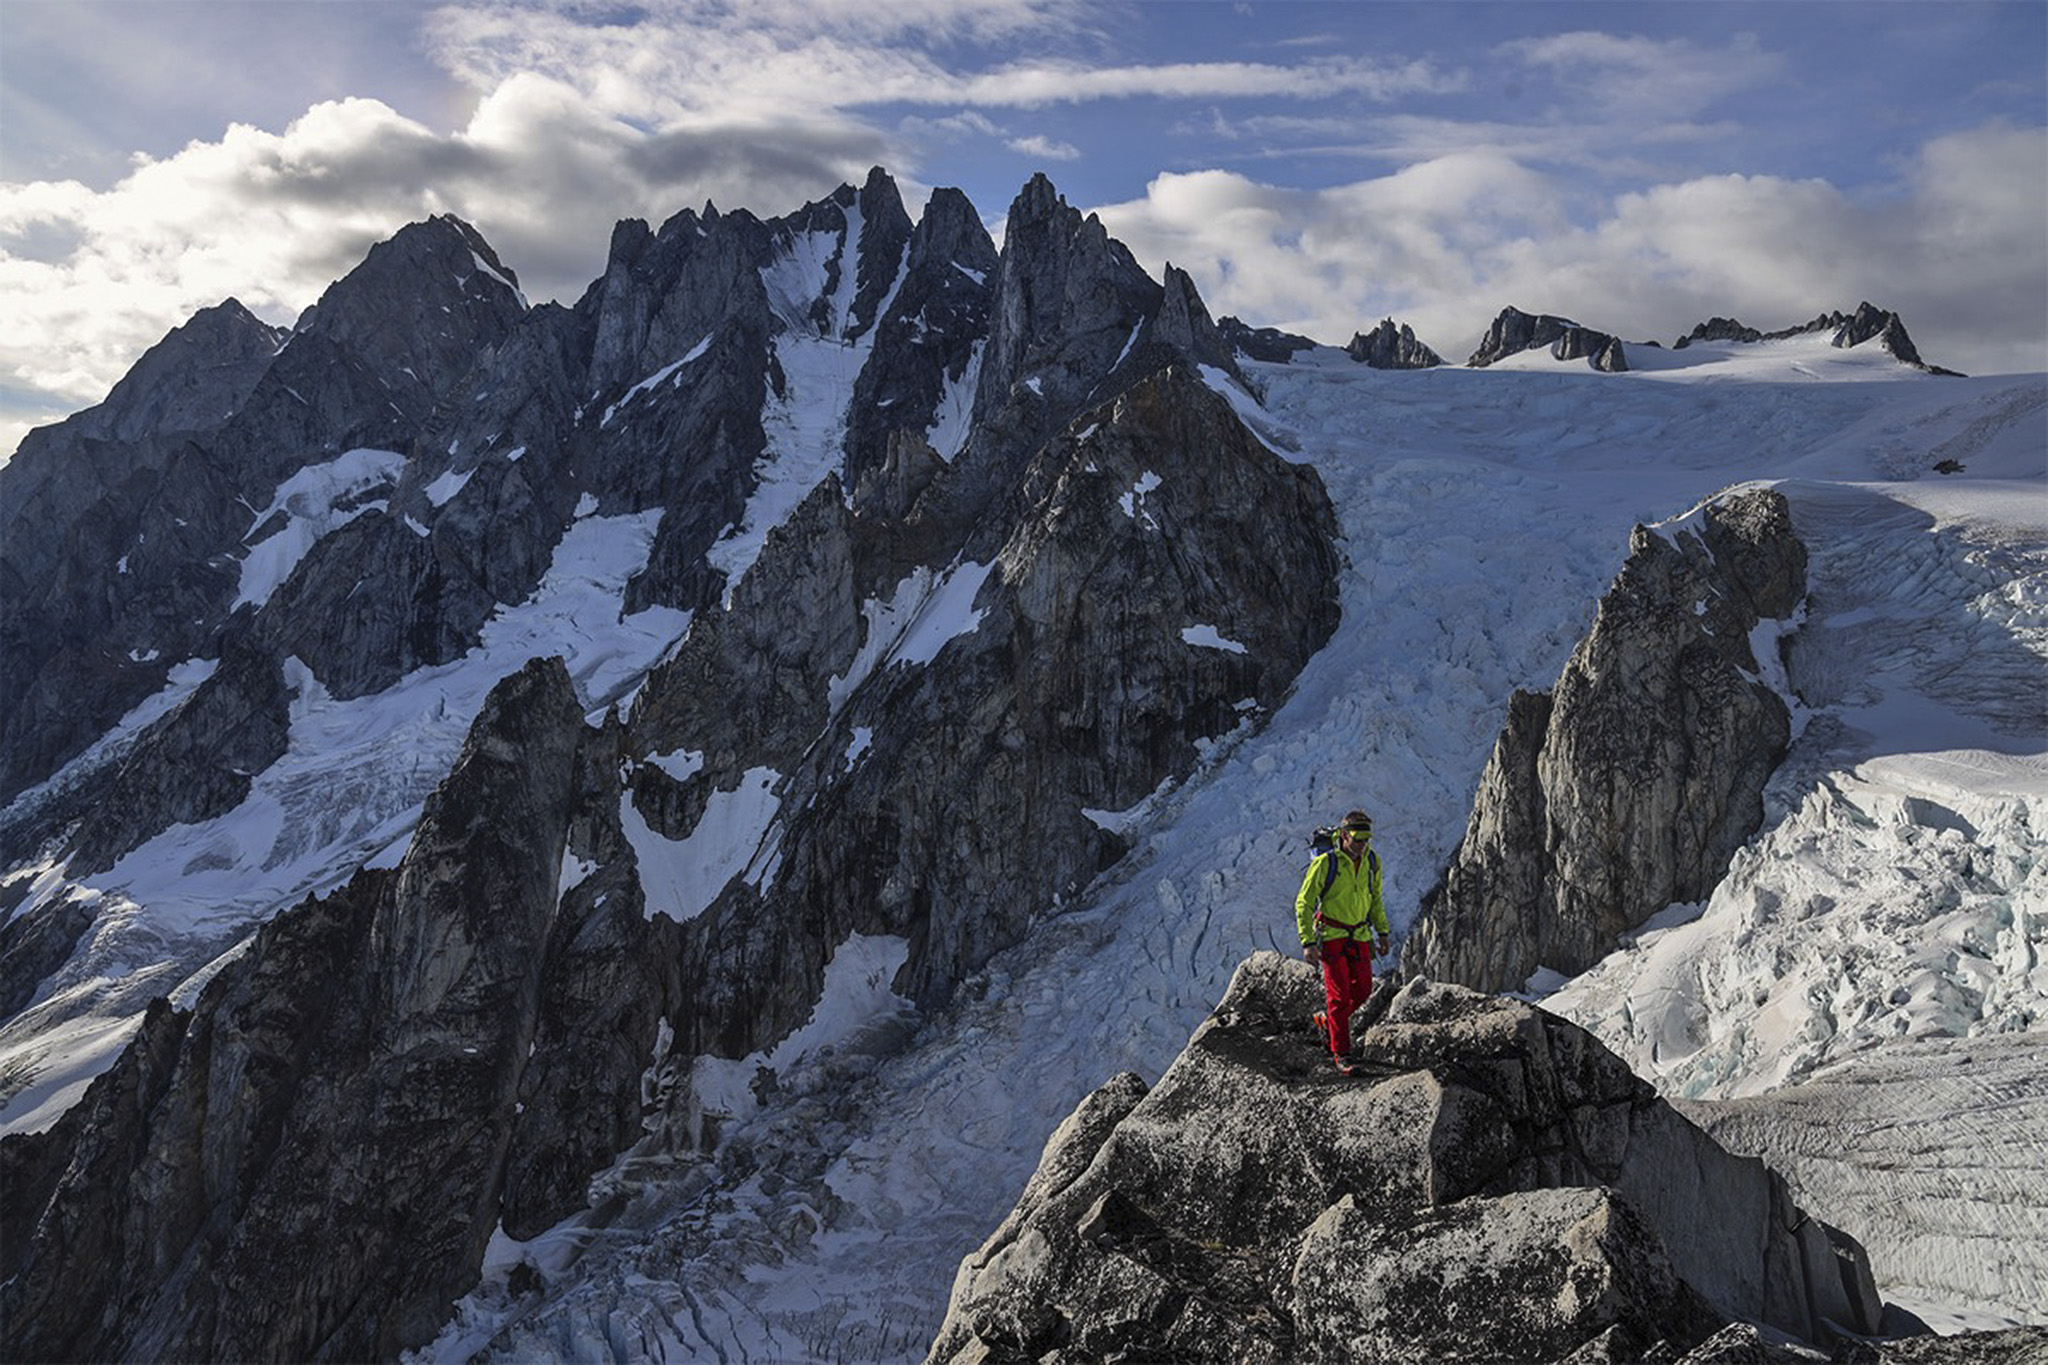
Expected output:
(1444, 245)
(94, 277)
(1044, 148)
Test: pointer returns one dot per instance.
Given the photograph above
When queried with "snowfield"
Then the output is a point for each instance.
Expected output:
(1887, 925)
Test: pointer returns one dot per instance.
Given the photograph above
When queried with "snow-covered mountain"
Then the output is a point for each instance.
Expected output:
(957, 647)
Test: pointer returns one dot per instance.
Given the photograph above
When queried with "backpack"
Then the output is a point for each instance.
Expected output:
(1324, 840)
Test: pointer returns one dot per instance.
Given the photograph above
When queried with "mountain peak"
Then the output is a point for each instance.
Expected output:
(1514, 331)
(1868, 323)
(423, 300)
(1388, 347)
(1037, 201)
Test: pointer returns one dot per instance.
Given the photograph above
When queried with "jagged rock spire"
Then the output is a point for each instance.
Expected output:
(1386, 348)
(1634, 782)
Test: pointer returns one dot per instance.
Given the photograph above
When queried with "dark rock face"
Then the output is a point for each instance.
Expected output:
(1074, 689)
(1500, 1187)
(1601, 350)
(1070, 302)
(1633, 784)
(925, 346)
(1718, 329)
(1515, 331)
(1388, 348)
(1262, 343)
(309, 1164)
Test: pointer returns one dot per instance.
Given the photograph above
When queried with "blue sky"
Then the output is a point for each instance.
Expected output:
(1315, 166)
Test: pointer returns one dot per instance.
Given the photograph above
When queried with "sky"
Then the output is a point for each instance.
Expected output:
(1638, 167)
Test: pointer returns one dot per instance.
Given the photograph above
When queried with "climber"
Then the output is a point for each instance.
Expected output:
(1339, 904)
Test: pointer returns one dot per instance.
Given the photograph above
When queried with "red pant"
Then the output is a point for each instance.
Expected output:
(1347, 981)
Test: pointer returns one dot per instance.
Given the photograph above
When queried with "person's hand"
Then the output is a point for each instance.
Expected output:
(1314, 953)
(1379, 945)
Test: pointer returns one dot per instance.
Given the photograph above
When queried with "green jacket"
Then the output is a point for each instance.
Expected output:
(1352, 901)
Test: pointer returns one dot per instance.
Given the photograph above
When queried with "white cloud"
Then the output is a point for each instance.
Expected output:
(1445, 244)
(1044, 148)
(1672, 77)
(93, 278)
(849, 55)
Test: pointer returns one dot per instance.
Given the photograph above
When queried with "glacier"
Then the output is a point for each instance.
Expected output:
(1891, 916)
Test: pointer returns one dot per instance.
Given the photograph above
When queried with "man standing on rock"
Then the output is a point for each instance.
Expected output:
(1339, 904)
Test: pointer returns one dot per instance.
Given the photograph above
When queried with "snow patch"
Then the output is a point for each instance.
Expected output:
(1129, 342)
(575, 871)
(318, 499)
(680, 878)
(485, 269)
(805, 424)
(447, 486)
(681, 765)
(1256, 419)
(1128, 821)
(952, 418)
(863, 740)
(914, 624)
(669, 373)
(1133, 502)
(1208, 637)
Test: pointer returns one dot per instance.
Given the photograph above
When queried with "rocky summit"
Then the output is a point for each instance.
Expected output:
(1494, 1186)
(1514, 331)
(1387, 348)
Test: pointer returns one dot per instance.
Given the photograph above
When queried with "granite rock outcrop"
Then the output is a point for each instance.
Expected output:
(1387, 347)
(1633, 782)
(1497, 1186)
(1514, 331)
